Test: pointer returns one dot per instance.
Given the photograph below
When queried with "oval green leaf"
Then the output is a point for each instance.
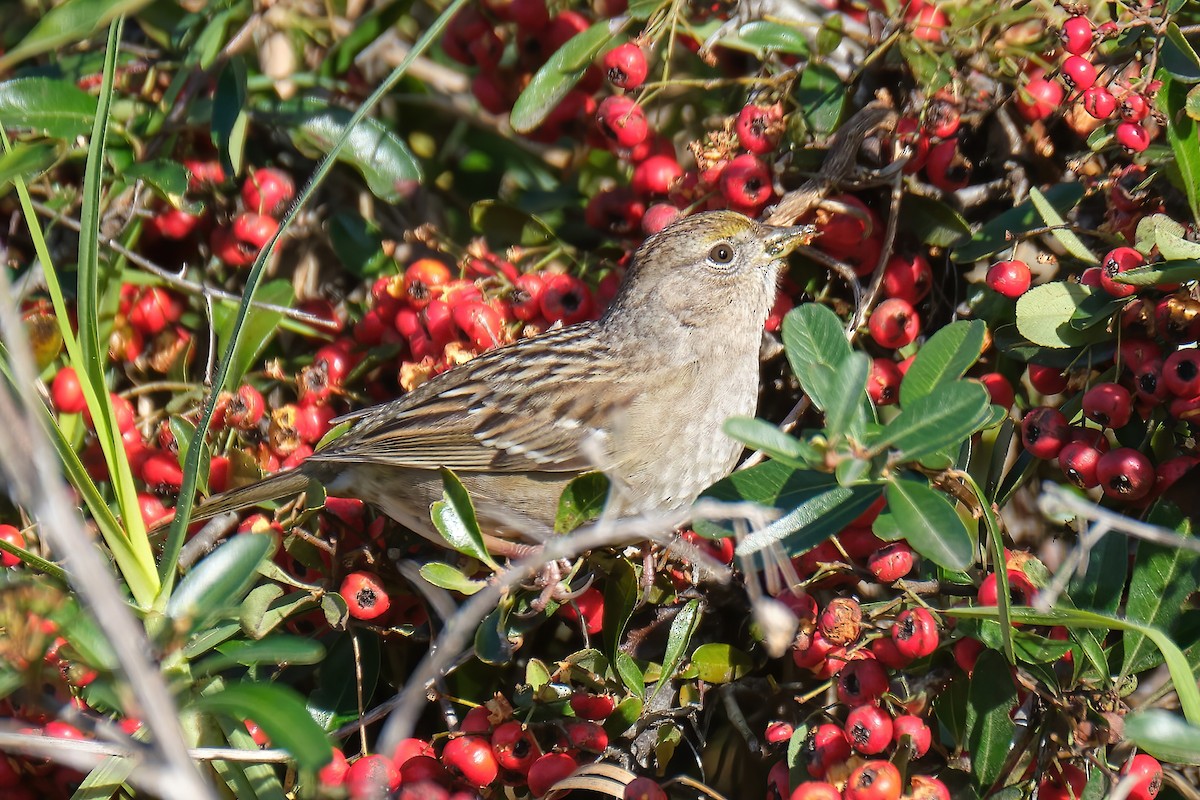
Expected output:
(559, 75)
(454, 517)
(382, 158)
(1044, 315)
(946, 357)
(55, 108)
(938, 421)
(221, 580)
(1164, 735)
(717, 662)
(929, 523)
(279, 710)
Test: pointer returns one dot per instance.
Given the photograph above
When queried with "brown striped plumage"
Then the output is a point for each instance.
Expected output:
(641, 394)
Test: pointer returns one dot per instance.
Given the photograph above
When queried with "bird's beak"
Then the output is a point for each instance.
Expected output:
(781, 241)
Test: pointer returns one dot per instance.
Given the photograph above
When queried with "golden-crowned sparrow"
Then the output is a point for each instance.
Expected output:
(641, 393)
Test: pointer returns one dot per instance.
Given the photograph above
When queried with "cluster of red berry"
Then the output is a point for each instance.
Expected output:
(491, 748)
(1102, 94)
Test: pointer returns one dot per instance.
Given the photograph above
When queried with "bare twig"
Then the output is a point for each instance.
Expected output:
(35, 481)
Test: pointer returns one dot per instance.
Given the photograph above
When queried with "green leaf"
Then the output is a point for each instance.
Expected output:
(581, 501)
(454, 517)
(830, 35)
(1099, 584)
(447, 577)
(279, 711)
(25, 161)
(273, 650)
(491, 644)
(1044, 315)
(168, 179)
(1159, 230)
(502, 223)
(849, 392)
(381, 156)
(991, 698)
(68, 23)
(229, 117)
(357, 243)
(1059, 229)
(762, 435)
(929, 523)
(334, 701)
(679, 638)
(1162, 272)
(946, 357)
(937, 421)
(817, 350)
(1164, 735)
(821, 97)
(633, 678)
(621, 593)
(1177, 56)
(220, 581)
(55, 108)
(260, 327)
(993, 237)
(267, 607)
(767, 35)
(717, 662)
(1162, 579)
(1183, 137)
(819, 508)
(932, 222)
(551, 83)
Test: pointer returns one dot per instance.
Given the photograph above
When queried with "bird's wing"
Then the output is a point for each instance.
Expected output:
(527, 407)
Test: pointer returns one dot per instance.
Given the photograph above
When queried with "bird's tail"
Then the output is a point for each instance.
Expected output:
(272, 487)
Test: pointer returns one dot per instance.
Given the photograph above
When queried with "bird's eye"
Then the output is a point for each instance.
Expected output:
(721, 254)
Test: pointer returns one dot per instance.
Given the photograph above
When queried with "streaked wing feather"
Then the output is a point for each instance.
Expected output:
(494, 413)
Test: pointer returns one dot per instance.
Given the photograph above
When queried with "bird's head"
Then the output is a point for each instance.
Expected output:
(714, 268)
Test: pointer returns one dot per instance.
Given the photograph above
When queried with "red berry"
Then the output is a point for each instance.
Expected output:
(825, 748)
(914, 727)
(815, 790)
(161, 470)
(915, 632)
(66, 392)
(422, 280)
(174, 223)
(1148, 774)
(154, 310)
(909, 279)
(1000, 391)
(967, 650)
(943, 118)
(13, 536)
(874, 780)
(1099, 102)
(369, 774)
(268, 191)
(549, 770)
(841, 621)
(883, 382)
(891, 562)
(1077, 34)
(758, 127)
(894, 323)
(656, 175)
(565, 297)
(1109, 404)
(862, 682)
(869, 729)
(334, 773)
(927, 788)
(1021, 590)
(659, 216)
(590, 605)
(1038, 99)
(1009, 278)
(595, 707)
(778, 732)
(514, 747)
(625, 66)
(586, 735)
(1078, 462)
(1134, 107)
(1064, 783)
(481, 323)
(885, 651)
(622, 121)
(471, 758)
(1044, 431)
(1133, 136)
(929, 22)
(746, 182)
(946, 167)
(364, 595)
(1181, 373)
(643, 789)
(1047, 380)
(1078, 73)
(1125, 474)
